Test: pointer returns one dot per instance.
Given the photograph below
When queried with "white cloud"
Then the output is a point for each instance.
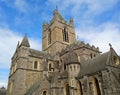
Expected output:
(21, 5)
(101, 36)
(93, 6)
(3, 84)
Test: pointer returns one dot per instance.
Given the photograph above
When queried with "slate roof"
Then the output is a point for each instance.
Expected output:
(72, 58)
(38, 53)
(95, 64)
(60, 17)
(25, 42)
(56, 12)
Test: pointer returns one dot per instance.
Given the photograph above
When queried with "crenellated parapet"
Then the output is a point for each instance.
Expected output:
(79, 45)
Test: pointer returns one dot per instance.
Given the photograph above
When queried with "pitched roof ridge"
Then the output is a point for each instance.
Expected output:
(35, 50)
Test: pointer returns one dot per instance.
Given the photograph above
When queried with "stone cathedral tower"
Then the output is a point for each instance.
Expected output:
(64, 66)
(57, 34)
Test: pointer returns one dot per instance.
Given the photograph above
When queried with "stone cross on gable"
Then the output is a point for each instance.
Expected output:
(110, 45)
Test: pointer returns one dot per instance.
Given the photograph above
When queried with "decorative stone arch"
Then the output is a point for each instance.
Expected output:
(79, 88)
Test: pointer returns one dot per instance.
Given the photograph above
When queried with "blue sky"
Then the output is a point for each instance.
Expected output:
(96, 22)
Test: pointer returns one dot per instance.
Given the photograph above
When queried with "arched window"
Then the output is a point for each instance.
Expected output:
(97, 87)
(65, 66)
(44, 93)
(79, 90)
(67, 89)
(91, 55)
(65, 35)
(35, 65)
(50, 66)
(49, 37)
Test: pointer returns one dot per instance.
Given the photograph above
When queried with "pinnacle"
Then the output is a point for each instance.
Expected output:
(25, 42)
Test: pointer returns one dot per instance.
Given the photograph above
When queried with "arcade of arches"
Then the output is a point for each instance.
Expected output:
(94, 88)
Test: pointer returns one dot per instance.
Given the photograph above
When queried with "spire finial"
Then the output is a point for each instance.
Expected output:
(110, 45)
(56, 7)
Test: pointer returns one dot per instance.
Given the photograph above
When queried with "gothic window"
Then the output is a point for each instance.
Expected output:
(65, 35)
(35, 65)
(50, 66)
(91, 55)
(97, 87)
(67, 90)
(49, 37)
(64, 66)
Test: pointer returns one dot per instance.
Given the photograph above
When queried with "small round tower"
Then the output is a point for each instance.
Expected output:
(73, 66)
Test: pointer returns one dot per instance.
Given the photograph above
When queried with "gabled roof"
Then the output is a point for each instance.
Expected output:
(37, 53)
(25, 42)
(94, 65)
(98, 63)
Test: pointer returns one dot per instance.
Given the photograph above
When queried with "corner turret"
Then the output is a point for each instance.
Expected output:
(73, 66)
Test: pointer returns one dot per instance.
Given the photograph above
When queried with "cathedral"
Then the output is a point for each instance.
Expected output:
(65, 66)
